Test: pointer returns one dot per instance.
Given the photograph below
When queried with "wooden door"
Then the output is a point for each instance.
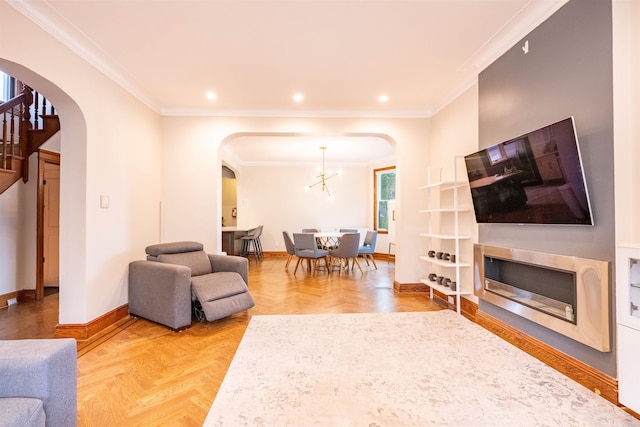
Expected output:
(51, 229)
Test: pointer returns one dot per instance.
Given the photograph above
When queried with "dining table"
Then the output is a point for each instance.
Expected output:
(328, 239)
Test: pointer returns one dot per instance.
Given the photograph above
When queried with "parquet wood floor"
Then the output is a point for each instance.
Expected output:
(144, 374)
(35, 319)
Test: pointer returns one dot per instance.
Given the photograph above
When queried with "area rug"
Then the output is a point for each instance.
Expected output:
(395, 369)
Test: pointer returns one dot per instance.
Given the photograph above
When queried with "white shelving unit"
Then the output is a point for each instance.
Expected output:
(443, 219)
(628, 317)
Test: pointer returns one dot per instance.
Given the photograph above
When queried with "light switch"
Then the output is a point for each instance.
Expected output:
(104, 201)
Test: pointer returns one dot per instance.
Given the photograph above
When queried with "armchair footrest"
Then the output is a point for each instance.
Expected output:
(209, 287)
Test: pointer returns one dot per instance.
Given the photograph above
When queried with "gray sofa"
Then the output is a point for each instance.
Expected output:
(163, 287)
(38, 382)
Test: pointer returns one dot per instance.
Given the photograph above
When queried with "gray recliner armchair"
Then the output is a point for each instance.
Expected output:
(175, 275)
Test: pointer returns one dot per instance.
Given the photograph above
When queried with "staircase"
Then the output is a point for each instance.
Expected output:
(23, 131)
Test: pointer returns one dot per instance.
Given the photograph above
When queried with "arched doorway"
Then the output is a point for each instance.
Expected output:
(271, 191)
(28, 256)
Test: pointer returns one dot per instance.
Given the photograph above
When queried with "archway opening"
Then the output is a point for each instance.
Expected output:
(71, 146)
(273, 169)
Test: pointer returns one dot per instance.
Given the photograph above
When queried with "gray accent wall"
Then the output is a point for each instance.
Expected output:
(566, 72)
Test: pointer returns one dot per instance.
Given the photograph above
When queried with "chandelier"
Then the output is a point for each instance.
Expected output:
(323, 176)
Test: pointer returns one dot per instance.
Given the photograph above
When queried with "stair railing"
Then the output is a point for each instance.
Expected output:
(10, 141)
(18, 115)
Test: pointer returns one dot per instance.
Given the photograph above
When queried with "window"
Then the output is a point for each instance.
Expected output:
(7, 87)
(496, 154)
(384, 184)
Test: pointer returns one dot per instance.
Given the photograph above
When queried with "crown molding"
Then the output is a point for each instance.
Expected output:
(46, 17)
(400, 114)
(526, 20)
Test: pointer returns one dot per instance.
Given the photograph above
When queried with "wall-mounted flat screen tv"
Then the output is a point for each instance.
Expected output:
(536, 178)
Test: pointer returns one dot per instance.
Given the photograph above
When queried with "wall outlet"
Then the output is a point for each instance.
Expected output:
(450, 298)
(12, 301)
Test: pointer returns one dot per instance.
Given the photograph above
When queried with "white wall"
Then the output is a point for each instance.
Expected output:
(192, 184)
(110, 144)
(9, 238)
(275, 197)
(454, 132)
(626, 92)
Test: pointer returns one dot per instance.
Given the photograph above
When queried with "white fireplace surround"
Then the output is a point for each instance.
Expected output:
(591, 323)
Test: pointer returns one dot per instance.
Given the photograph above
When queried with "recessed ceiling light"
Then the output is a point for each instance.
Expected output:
(211, 96)
(383, 98)
(298, 97)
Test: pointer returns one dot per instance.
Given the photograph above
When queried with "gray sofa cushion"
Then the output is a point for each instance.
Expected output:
(197, 261)
(21, 412)
(45, 369)
(173, 248)
(222, 284)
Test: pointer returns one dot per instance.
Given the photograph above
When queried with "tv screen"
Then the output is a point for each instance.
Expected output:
(536, 178)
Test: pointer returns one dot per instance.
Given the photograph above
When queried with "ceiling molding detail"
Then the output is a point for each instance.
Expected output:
(44, 15)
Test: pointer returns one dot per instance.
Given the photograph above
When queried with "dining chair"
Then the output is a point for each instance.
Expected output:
(307, 248)
(369, 247)
(314, 230)
(252, 239)
(289, 245)
(344, 230)
(347, 250)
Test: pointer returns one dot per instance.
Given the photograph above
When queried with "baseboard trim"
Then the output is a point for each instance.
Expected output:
(578, 371)
(95, 340)
(384, 257)
(272, 255)
(467, 308)
(26, 295)
(84, 331)
(410, 288)
(4, 298)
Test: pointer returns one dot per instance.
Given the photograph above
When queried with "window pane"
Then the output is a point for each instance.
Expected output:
(7, 87)
(388, 186)
(4, 90)
(496, 154)
(383, 217)
(385, 185)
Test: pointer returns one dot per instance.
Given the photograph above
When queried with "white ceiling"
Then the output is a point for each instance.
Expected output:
(254, 55)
